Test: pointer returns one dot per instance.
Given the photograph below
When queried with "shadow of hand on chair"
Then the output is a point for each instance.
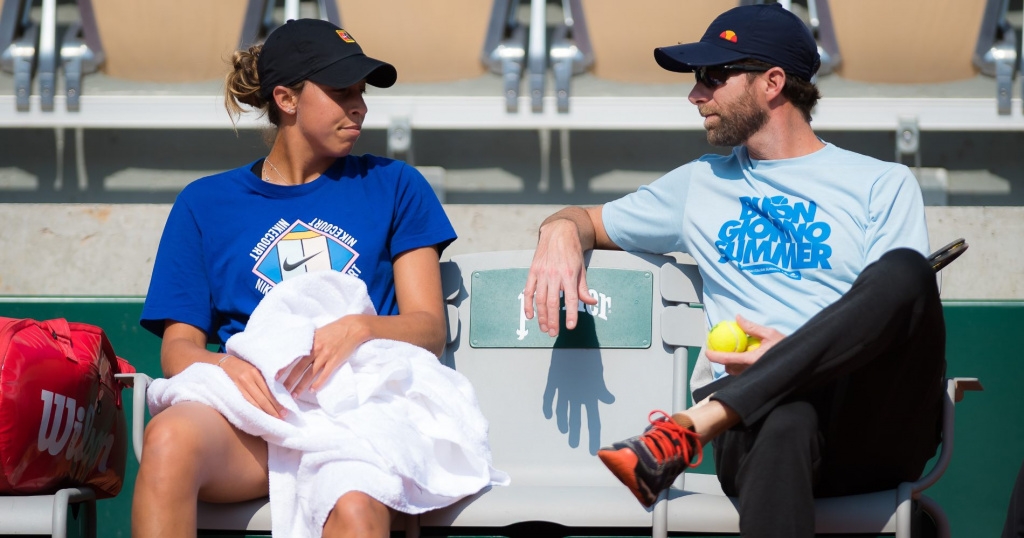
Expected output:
(576, 384)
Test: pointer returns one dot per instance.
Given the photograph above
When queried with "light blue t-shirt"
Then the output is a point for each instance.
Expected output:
(775, 241)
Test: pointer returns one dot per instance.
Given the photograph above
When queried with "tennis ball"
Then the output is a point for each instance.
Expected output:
(727, 336)
(753, 343)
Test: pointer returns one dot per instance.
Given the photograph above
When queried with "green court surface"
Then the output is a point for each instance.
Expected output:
(982, 342)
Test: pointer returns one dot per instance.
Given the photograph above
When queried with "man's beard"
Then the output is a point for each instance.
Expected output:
(737, 124)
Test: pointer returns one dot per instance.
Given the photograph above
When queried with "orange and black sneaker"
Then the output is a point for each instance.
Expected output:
(650, 462)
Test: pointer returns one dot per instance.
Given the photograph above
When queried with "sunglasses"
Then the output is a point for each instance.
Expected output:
(716, 75)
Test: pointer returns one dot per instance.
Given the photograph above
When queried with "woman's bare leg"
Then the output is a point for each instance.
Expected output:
(356, 514)
(191, 451)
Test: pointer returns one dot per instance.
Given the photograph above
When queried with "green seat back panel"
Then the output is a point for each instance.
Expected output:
(620, 319)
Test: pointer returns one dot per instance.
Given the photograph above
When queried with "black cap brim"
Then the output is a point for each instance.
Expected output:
(686, 58)
(350, 70)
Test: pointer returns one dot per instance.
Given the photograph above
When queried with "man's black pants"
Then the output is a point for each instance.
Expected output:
(849, 403)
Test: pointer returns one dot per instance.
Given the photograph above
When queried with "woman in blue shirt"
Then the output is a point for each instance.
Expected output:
(309, 205)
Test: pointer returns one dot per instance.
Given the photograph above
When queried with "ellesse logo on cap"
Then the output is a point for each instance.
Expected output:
(728, 35)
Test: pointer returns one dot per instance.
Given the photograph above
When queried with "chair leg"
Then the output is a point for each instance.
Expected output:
(90, 524)
(904, 510)
(933, 509)
(412, 526)
(659, 516)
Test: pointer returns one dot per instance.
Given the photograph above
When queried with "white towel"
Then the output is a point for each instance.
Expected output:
(391, 422)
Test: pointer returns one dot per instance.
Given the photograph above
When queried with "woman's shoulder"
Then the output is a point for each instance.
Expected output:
(217, 182)
(213, 192)
(375, 164)
(383, 171)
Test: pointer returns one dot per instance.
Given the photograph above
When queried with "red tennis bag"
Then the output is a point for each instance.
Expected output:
(62, 423)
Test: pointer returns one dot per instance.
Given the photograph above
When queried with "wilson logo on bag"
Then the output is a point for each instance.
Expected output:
(79, 441)
(62, 421)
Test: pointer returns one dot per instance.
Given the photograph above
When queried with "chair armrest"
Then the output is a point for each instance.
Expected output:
(139, 383)
(61, 500)
(955, 387)
(963, 384)
(908, 491)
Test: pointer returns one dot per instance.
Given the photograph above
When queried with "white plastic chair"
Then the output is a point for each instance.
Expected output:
(47, 514)
(697, 504)
(552, 403)
(555, 478)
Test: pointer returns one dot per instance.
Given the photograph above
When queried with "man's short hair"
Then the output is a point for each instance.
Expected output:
(802, 93)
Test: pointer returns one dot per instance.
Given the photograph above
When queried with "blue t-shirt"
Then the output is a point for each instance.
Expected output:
(775, 241)
(232, 237)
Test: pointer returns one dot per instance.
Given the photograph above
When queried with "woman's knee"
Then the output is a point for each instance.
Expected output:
(192, 446)
(170, 462)
(176, 441)
(358, 514)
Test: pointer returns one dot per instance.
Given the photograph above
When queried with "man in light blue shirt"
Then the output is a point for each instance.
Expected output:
(793, 236)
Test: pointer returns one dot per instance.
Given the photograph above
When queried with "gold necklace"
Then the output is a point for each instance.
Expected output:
(276, 171)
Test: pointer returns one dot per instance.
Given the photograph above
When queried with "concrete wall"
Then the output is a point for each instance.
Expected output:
(73, 249)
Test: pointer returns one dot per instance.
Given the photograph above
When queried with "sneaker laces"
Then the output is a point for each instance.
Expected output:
(667, 440)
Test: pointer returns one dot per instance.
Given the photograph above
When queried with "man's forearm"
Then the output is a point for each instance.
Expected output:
(582, 220)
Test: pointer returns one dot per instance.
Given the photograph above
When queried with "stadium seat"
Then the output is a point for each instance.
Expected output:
(696, 503)
(181, 41)
(439, 42)
(18, 41)
(624, 40)
(909, 42)
(535, 390)
(699, 505)
(570, 52)
(425, 41)
(946, 41)
(81, 52)
(504, 50)
(552, 402)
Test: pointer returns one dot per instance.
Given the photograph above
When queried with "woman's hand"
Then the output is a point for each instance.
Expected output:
(420, 321)
(184, 345)
(736, 363)
(251, 384)
(333, 344)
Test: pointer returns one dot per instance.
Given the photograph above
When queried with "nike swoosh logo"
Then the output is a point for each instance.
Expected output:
(292, 266)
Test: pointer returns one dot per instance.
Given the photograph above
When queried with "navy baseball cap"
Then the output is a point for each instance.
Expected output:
(312, 49)
(766, 32)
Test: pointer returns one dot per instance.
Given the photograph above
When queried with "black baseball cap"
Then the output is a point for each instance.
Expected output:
(766, 32)
(316, 50)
